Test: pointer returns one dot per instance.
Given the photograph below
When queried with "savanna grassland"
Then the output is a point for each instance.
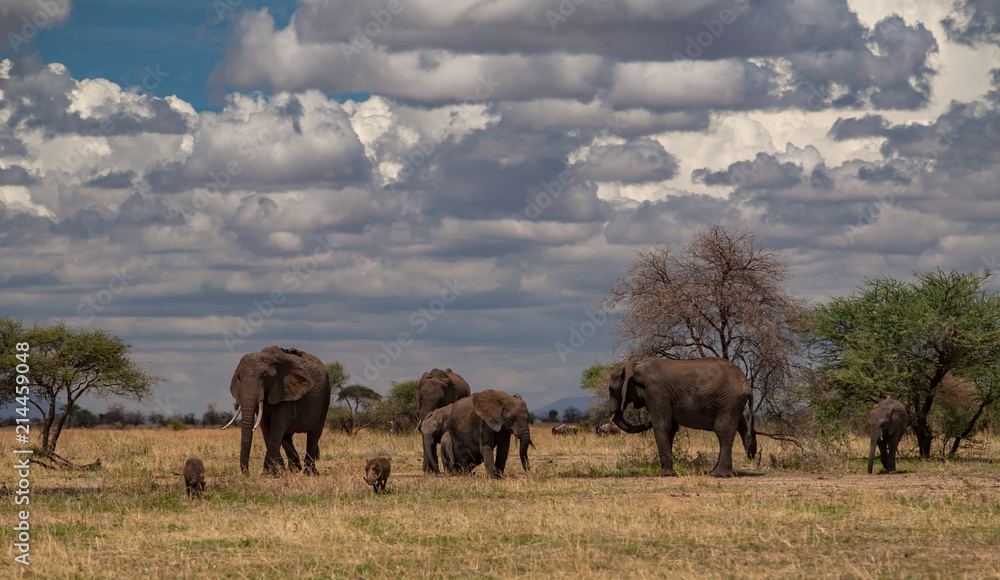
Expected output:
(588, 509)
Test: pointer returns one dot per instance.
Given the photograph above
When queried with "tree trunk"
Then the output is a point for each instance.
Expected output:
(50, 417)
(968, 429)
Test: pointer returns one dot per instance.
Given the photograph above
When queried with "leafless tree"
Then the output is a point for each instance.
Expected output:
(721, 295)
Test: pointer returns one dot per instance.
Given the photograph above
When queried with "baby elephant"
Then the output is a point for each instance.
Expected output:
(194, 477)
(377, 472)
(886, 424)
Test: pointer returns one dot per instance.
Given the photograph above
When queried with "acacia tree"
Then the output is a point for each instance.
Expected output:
(721, 295)
(903, 339)
(68, 362)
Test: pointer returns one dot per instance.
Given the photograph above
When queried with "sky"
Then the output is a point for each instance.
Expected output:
(407, 184)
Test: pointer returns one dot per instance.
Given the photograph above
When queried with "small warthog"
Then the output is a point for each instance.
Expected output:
(377, 472)
(607, 429)
(565, 429)
(194, 477)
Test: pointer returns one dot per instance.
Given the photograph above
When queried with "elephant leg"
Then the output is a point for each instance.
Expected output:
(312, 451)
(724, 464)
(883, 449)
(293, 456)
(893, 448)
(664, 431)
(273, 429)
(486, 450)
(503, 449)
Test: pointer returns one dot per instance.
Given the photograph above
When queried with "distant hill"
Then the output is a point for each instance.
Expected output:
(580, 403)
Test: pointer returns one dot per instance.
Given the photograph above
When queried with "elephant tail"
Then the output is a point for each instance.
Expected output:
(750, 439)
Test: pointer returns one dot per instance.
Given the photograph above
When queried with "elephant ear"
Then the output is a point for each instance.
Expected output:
(489, 407)
(627, 371)
(292, 380)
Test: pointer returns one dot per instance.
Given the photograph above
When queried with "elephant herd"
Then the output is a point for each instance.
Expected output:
(287, 391)
(469, 427)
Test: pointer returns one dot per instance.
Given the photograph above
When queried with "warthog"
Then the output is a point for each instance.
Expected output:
(194, 477)
(377, 472)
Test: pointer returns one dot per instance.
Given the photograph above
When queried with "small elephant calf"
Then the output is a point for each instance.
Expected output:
(377, 472)
(194, 477)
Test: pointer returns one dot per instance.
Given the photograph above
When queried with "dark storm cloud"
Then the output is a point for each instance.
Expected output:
(113, 180)
(636, 161)
(882, 174)
(15, 175)
(898, 77)
(965, 138)
(855, 128)
(974, 21)
(764, 172)
(12, 147)
(621, 29)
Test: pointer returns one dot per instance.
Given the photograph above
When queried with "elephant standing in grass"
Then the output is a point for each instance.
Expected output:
(886, 425)
(290, 392)
(433, 430)
(438, 388)
(483, 422)
(708, 393)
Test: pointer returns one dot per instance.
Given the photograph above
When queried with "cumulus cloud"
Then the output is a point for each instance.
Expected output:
(710, 55)
(510, 149)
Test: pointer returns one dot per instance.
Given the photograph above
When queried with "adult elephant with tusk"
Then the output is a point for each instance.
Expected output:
(708, 393)
(289, 392)
(483, 422)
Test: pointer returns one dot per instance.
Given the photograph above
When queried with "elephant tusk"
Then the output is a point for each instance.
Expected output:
(260, 414)
(235, 415)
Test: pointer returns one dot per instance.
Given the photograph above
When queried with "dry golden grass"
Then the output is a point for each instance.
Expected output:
(578, 514)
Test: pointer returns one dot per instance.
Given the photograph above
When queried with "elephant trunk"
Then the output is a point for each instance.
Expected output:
(524, 442)
(619, 420)
(246, 436)
(871, 453)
